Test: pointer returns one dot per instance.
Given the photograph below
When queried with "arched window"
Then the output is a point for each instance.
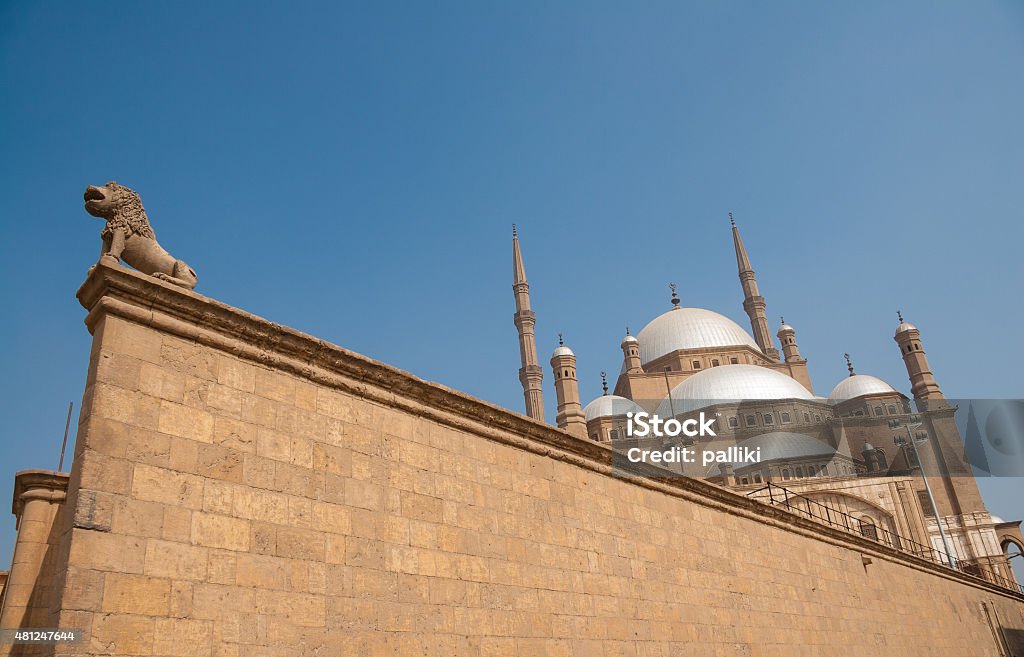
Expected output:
(1012, 550)
(868, 529)
(785, 474)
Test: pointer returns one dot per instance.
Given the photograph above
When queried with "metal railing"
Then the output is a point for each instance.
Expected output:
(829, 515)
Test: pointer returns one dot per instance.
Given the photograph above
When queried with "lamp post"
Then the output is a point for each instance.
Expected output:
(915, 421)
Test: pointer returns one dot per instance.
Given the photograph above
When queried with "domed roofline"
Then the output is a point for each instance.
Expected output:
(690, 328)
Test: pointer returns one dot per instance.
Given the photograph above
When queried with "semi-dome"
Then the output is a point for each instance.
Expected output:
(731, 383)
(689, 328)
(787, 445)
(782, 445)
(859, 385)
(610, 406)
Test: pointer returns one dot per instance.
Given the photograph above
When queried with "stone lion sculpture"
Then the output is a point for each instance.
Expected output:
(129, 237)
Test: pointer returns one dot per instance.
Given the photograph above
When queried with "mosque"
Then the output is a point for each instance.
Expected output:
(866, 457)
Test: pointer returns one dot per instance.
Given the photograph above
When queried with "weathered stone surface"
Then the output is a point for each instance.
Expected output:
(328, 504)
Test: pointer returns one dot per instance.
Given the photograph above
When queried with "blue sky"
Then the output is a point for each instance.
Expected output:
(353, 171)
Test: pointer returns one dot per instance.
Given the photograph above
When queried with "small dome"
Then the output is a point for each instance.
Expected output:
(785, 328)
(731, 383)
(996, 520)
(905, 326)
(868, 447)
(859, 385)
(629, 339)
(610, 406)
(562, 350)
(690, 328)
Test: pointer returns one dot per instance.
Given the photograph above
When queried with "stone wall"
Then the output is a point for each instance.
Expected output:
(243, 490)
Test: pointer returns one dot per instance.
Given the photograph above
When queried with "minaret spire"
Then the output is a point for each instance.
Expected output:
(849, 364)
(530, 373)
(753, 302)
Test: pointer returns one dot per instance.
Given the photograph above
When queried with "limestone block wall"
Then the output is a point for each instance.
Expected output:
(242, 490)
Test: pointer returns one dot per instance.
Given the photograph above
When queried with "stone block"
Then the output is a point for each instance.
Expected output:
(236, 374)
(137, 517)
(167, 487)
(277, 387)
(177, 524)
(107, 551)
(235, 434)
(178, 637)
(119, 634)
(364, 494)
(126, 406)
(185, 422)
(162, 383)
(83, 589)
(136, 594)
(296, 543)
(262, 572)
(218, 462)
(218, 531)
(273, 444)
(175, 560)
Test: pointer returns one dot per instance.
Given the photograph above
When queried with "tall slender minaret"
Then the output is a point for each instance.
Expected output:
(753, 302)
(567, 390)
(922, 382)
(530, 374)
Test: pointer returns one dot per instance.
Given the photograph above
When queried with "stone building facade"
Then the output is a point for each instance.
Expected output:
(240, 489)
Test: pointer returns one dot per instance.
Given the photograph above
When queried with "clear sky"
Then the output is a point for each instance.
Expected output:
(352, 170)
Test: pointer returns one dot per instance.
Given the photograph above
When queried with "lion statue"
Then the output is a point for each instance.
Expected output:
(129, 237)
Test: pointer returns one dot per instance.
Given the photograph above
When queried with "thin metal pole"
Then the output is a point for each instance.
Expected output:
(931, 498)
(64, 444)
(668, 386)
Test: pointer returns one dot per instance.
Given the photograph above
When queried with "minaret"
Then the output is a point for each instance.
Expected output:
(570, 413)
(530, 374)
(631, 354)
(922, 381)
(787, 338)
(753, 302)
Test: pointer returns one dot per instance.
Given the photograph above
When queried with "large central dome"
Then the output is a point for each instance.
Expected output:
(689, 328)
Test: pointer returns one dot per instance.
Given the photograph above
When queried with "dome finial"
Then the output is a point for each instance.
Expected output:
(627, 330)
(899, 313)
(675, 297)
(560, 342)
(604, 381)
(514, 230)
(782, 319)
(849, 363)
(731, 220)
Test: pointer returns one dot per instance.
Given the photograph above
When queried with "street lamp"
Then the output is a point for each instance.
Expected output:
(911, 439)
